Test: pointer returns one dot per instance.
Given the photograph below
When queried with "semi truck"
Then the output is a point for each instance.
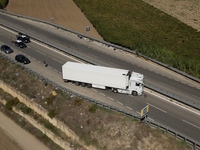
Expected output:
(92, 76)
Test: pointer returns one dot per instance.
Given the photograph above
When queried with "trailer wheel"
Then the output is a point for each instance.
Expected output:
(83, 84)
(115, 91)
(77, 83)
(66, 81)
(89, 85)
(134, 93)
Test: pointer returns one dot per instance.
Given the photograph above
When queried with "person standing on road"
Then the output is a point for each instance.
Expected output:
(45, 64)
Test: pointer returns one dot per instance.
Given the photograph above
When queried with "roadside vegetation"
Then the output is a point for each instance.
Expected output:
(95, 126)
(3, 3)
(146, 30)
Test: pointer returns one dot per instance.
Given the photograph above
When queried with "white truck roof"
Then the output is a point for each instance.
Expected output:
(93, 68)
(96, 75)
(137, 76)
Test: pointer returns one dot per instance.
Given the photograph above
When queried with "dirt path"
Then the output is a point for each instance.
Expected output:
(187, 11)
(14, 137)
(6, 143)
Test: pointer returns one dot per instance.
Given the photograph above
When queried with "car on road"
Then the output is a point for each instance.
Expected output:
(19, 43)
(22, 59)
(23, 37)
(6, 49)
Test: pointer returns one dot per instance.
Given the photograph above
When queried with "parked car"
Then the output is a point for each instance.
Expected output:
(22, 59)
(19, 43)
(6, 49)
(23, 37)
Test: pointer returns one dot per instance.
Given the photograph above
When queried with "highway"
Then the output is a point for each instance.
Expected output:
(161, 110)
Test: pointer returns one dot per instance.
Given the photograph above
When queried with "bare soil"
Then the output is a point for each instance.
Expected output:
(66, 13)
(6, 142)
(62, 12)
(187, 11)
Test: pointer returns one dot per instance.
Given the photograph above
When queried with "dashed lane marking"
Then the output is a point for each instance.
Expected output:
(172, 102)
(191, 124)
(120, 103)
(94, 90)
(40, 52)
(111, 98)
(129, 108)
(57, 60)
(102, 94)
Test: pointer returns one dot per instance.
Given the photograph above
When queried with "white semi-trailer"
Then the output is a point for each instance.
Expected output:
(118, 80)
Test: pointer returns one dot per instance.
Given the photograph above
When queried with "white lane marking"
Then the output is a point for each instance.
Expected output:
(120, 103)
(55, 70)
(56, 51)
(129, 108)
(57, 60)
(162, 98)
(157, 108)
(8, 30)
(191, 124)
(111, 98)
(138, 112)
(94, 90)
(150, 118)
(102, 94)
(40, 52)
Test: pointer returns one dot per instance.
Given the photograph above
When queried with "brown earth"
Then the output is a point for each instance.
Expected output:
(62, 12)
(66, 13)
(6, 142)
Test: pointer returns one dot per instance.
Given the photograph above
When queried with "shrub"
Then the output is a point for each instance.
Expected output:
(3, 3)
(12, 102)
(53, 113)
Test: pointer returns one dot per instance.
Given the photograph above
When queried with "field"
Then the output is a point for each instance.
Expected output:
(65, 13)
(147, 30)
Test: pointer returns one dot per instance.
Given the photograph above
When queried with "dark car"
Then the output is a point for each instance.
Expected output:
(23, 37)
(6, 49)
(22, 59)
(19, 43)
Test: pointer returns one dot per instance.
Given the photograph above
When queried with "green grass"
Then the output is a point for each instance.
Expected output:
(141, 27)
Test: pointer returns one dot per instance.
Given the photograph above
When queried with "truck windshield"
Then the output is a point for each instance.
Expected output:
(138, 84)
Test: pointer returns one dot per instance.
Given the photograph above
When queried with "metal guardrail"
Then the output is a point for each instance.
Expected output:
(195, 144)
(147, 85)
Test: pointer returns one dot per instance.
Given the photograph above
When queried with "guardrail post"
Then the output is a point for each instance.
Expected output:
(194, 146)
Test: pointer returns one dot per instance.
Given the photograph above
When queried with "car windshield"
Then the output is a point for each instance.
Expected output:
(6, 47)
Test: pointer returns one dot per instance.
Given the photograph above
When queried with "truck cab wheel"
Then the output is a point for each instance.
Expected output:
(134, 93)
(115, 91)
